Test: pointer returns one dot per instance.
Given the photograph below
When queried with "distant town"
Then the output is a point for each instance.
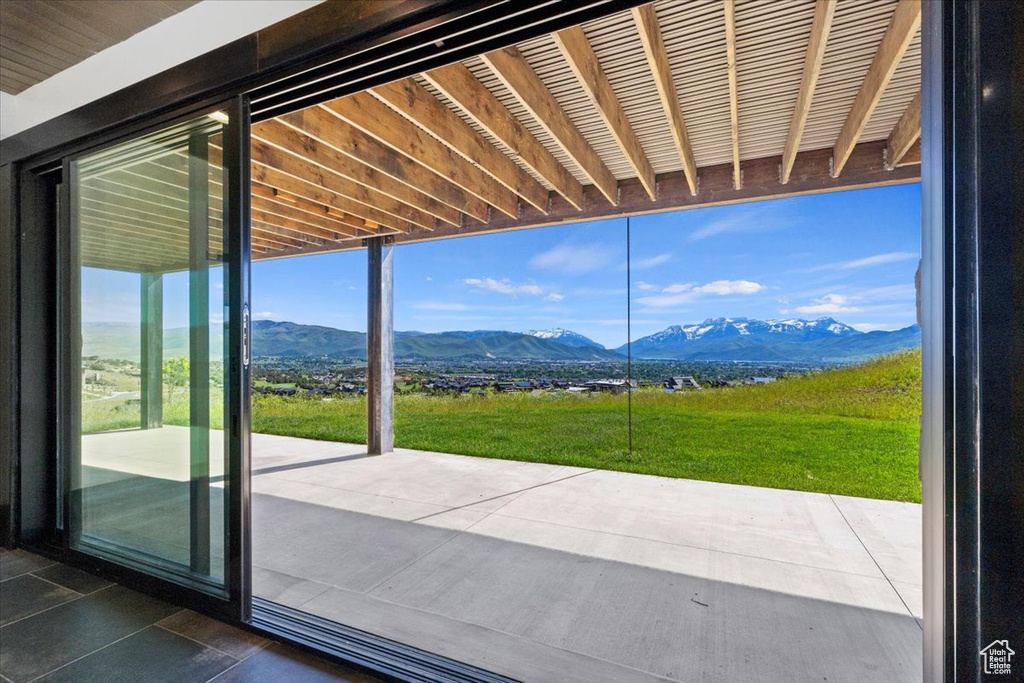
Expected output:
(328, 377)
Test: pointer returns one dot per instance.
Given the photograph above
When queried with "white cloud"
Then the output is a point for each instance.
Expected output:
(572, 259)
(653, 261)
(753, 220)
(646, 286)
(599, 291)
(504, 286)
(676, 294)
(876, 260)
(889, 293)
(870, 327)
(676, 289)
(667, 300)
(725, 287)
(264, 315)
(879, 259)
(430, 279)
(439, 306)
(554, 296)
(830, 303)
(606, 322)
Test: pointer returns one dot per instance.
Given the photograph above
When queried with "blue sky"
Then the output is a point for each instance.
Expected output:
(849, 255)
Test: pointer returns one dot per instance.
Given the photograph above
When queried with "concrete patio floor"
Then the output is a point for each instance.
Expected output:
(548, 573)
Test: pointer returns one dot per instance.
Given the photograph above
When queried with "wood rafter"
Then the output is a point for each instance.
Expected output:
(337, 220)
(905, 23)
(328, 177)
(824, 11)
(459, 85)
(578, 53)
(270, 230)
(414, 102)
(522, 81)
(646, 19)
(321, 225)
(734, 102)
(316, 198)
(810, 176)
(911, 158)
(412, 183)
(374, 118)
(906, 132)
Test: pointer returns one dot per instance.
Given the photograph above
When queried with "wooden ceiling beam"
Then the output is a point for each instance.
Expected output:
(734, 102)
(272, 195)
(266, 245)
(277, 140)
(273, 232)
(911, 158)
(414, 102)
(522, 81)
(356, 155)
(100, 228)
(824, 11)
(274, 227)
(391, 211)
(274, 184)
(578, 53)
(122, 212)
(374, 118)
(905, 23)
(646, 19)
(458, 84)
(810, 176)
(133, 194)
(321, 225)
(905, 133)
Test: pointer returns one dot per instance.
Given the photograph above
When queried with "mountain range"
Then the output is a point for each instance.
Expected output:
(789, 340)
(720, 339)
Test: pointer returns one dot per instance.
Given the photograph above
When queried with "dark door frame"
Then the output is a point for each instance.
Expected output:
(57, 430)
(973, 299)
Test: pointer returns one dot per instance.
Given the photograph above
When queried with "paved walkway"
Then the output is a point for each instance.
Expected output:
(549, 573)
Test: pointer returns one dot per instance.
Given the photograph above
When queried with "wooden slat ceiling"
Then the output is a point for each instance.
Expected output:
(628, 114)
(39, 38)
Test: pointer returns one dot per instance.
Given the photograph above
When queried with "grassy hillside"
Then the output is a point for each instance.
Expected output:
(851, 431)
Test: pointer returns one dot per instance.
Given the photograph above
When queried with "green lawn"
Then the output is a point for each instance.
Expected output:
(851, 431)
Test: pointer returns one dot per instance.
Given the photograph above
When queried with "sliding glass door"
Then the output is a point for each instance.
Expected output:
(156, 344)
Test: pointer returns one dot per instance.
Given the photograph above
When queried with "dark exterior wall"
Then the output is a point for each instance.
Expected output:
(8, 351)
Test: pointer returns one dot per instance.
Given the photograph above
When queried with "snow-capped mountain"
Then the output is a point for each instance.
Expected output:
(744, 327)
(791, 339)
(567, 337)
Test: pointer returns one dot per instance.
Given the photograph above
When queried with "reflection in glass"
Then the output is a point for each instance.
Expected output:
(149, 482)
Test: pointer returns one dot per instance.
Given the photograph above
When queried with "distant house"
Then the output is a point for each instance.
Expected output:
(762, 380)
(615, 386)
(683, 383)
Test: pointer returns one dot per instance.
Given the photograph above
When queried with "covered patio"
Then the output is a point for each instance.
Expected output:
(543, 572)
(535, 571)
(667, 106)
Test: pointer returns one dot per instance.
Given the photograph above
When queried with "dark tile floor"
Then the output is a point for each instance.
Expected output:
(58, 624)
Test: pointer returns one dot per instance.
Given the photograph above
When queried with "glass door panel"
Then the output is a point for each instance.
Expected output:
(148, 477)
